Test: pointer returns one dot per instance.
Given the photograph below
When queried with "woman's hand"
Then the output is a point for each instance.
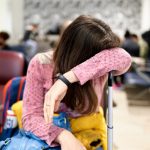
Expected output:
(54, 96)
(69, 142)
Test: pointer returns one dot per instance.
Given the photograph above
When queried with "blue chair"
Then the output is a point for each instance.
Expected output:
(139, 78)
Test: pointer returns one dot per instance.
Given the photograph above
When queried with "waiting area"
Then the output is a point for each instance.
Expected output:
(74, 75)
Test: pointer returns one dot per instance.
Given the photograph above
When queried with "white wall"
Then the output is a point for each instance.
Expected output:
(17, 19)
(145, 21)
(119, 14)
(5, 16)
(11, 18)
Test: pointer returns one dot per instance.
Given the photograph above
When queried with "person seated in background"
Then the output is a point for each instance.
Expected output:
(54, 28)
(4, 36)
(65, 24)
(142, 44)
(146, 37)
(32, 30)
(30, 37)
(135, 38)
(54, 41)
(130, 44)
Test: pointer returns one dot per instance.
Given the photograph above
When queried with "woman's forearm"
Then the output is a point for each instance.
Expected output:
(71, 77)
(115, 59)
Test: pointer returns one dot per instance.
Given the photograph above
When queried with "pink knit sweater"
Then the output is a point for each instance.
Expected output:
(39, 81)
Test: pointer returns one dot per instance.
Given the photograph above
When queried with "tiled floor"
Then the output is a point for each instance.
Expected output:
(131, 125)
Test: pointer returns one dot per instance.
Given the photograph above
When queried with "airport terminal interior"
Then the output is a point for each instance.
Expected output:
(30, 27)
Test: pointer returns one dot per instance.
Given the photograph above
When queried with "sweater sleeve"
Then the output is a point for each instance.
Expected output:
(115, 59)
(33, 103)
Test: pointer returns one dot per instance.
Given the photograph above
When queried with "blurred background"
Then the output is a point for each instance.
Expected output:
(28, 27)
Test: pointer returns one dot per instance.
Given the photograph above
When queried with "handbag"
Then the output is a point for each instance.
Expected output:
(25, 140)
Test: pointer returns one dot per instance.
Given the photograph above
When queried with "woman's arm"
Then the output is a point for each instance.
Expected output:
(115, 59)
(33, 103)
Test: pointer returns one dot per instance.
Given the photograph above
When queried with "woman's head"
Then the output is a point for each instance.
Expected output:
(84, 37)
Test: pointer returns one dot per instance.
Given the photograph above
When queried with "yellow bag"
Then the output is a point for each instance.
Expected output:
(17, 108)
(90, 129)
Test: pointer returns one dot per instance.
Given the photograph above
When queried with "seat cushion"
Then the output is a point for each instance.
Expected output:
(1, 95)
(134, 79)
(11, 65)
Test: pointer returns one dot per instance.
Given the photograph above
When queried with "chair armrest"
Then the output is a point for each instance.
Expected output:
(1, 107)
(143, 74)
(144, 69)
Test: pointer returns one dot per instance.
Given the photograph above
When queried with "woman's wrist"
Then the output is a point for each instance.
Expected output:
(70, 76)
(62, 136)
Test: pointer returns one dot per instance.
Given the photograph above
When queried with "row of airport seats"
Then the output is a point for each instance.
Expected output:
(11, 65)
(137, 82)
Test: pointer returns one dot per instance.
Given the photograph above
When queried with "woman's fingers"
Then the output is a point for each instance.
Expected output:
(45, 114)
(58, 101)
(51, 106)
(48, 108)
(57, 104)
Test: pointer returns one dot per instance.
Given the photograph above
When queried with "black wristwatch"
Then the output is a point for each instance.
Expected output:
(63, 79)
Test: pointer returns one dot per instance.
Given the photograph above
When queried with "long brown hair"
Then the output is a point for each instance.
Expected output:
(84, 37)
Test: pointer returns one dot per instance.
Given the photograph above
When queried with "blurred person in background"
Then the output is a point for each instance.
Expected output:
(146, 37)
(142, 45)
(63, 26)
(135, 38)
(131, 45)
(32, 30)
(30, 37)
(4, 36)
(56, 22)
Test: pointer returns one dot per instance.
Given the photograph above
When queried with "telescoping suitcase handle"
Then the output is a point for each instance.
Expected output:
(110, 114)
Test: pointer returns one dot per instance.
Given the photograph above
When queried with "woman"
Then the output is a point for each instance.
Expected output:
(86, 52)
